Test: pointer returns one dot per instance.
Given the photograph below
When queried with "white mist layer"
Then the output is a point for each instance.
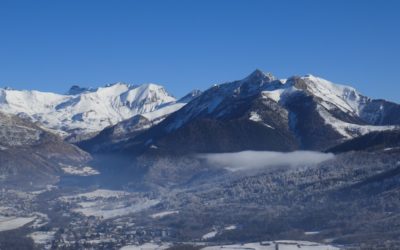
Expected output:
(248, 160)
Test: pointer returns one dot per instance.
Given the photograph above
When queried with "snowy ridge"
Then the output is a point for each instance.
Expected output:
(86, 111)
(126, 129)
(157, 115)
(333, 95)
(349, 130)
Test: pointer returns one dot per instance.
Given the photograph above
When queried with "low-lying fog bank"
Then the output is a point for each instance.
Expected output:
(249, 160)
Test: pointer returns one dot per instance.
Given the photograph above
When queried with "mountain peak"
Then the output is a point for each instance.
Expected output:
(75, 90)
(190, 96)
(117, 84)
(153, 86)
(261, 75)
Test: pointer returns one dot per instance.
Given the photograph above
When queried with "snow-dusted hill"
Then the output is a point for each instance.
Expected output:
(85, 111)
(30, 155)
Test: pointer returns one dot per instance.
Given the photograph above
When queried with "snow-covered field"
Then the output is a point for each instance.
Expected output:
(282, 245)
(209, 235)
(106, 204)
(10, 223)
(41, 220)
(231, 227)
(147, 246)
(107, 210)
(98, 193)
(163, 214)
(311, 233)
(48, 188)
(390, 149)
(266, 245)
(81, 171)
(41, 237)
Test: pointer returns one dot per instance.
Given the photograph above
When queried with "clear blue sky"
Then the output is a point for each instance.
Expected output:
(50, 45)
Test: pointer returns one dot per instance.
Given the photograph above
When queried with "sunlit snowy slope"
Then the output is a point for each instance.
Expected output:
(84, 111)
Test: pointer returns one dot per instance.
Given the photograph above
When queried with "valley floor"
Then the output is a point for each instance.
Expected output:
(103, 219)
(350, 202)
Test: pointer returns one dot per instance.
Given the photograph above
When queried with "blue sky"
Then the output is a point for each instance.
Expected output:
(50, 45)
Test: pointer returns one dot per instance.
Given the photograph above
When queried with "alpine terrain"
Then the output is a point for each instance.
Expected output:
(82, 112)
(257, 163)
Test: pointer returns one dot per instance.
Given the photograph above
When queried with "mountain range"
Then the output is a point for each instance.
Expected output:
(297, 158)
(84, 111)
(259, 112)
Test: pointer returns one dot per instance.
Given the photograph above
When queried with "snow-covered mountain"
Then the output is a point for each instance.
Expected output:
(257, 112)
(332, 99)
(135, 125)
(262, 112)
(85, 111)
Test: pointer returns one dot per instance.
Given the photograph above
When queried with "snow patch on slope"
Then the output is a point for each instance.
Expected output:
(231, 227)
(273, 94)
(350, 130)
(81, 171)
(42, 237)
(157, 115)
(333, 95)
(147, 246)
(272, 245)
(163, 214)
(209, 235)
(10, 223)
(254, 116)
(279, 95)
